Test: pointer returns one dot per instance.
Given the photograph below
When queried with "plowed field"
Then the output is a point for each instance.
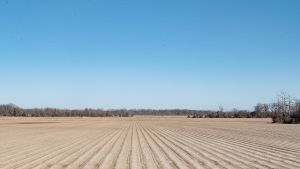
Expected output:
(147, 142)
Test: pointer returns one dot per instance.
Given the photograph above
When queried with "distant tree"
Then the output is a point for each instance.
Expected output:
(220, 111)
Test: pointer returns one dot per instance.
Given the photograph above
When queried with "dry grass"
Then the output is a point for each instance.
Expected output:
(147, 142)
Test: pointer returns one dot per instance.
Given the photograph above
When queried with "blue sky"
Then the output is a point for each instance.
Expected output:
(148, 54)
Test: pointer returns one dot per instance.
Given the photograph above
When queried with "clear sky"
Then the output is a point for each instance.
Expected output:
(148, 53)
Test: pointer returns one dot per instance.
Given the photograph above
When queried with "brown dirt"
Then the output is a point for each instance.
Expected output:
(147, 142)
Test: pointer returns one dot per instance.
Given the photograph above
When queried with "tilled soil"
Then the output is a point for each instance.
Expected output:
(147, 142)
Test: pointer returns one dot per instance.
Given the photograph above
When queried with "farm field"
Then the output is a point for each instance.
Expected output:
(147, 142)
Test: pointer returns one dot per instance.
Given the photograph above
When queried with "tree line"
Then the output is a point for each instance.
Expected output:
(13, 110)
(286, 109)
(234, 113)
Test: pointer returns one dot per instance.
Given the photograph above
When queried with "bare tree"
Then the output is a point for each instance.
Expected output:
(220, 111)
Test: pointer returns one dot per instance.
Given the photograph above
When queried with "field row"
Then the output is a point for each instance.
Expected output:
(147, 143)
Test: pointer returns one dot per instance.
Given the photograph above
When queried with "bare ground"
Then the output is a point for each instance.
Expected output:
(147, 142)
